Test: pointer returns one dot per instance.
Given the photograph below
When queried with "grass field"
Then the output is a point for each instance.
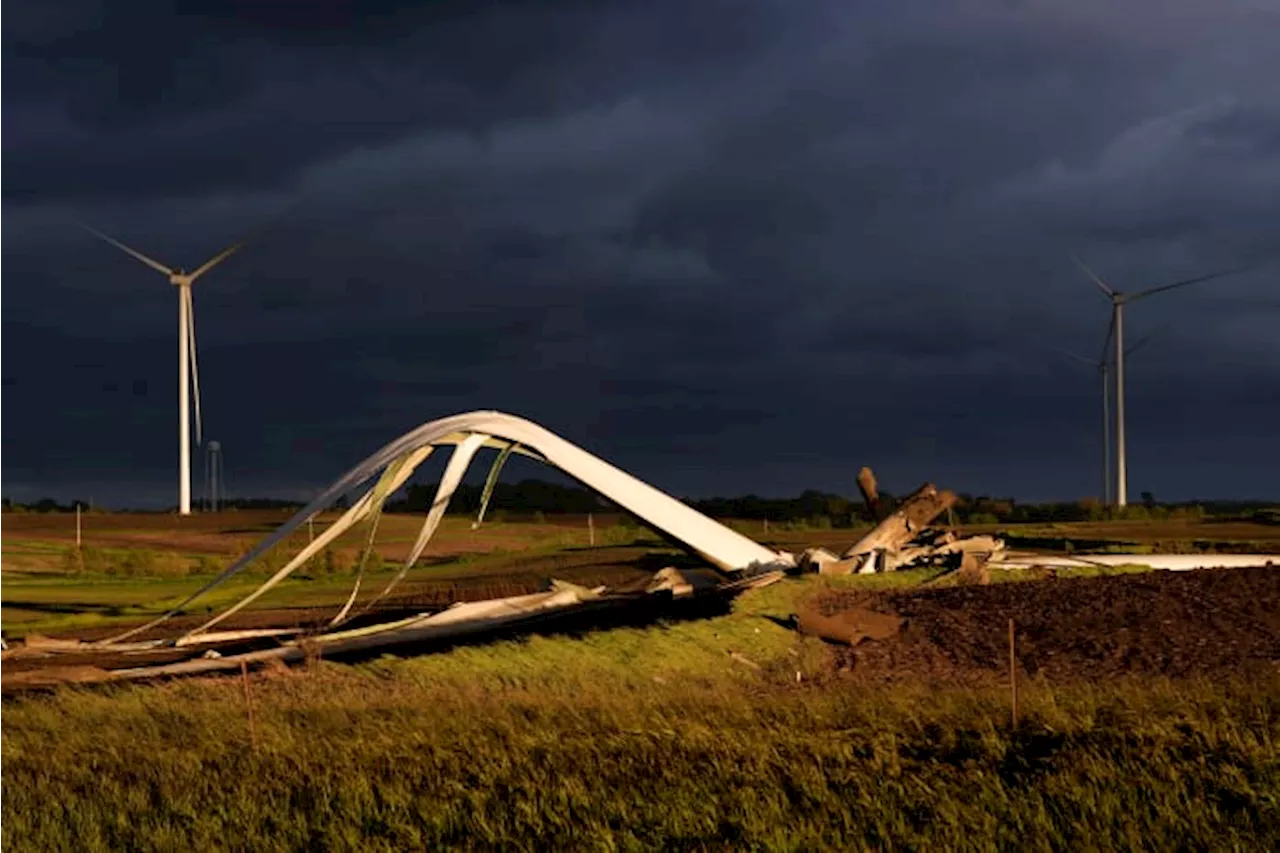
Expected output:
(694, 736)
(732, 732)
(132, 566)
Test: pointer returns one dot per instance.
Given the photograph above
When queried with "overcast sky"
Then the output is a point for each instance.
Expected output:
(729, 246)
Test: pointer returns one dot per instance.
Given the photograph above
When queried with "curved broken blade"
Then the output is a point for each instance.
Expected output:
(151, 262)
(491, 482)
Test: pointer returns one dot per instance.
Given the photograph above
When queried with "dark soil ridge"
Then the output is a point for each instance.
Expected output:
(1173, 624)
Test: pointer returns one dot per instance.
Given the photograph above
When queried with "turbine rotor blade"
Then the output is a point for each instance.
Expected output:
(240, 244)
(1187, 281)
(195, 370)
(1144, 340)
(216, 259)
(1071, 355)
(1093, 276)
(151, 262)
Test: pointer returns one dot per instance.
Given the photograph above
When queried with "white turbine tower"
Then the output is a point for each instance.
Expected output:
(188, 372)
(1118, 300)
(1104, 365)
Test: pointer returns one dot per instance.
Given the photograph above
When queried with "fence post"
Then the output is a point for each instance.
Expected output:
(1013, 673)
(248, 704)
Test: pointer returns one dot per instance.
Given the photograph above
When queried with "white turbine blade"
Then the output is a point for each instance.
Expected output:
(1069, 354)
(216, 259)
(1143, 341)
(195, 371)
(151, 262)
(491, 483)
(1187, 281)
(1106, 288)
(253, 235)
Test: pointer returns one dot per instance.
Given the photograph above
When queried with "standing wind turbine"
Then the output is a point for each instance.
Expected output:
(1103, 366)
(188, 372)
(1118, 300)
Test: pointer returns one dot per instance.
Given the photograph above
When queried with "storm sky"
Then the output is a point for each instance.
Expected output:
(729, 246)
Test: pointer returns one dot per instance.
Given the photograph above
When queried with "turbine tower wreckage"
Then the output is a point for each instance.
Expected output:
(901, 539)
(743, 562)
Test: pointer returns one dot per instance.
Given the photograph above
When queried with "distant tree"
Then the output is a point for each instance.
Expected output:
(1148, 500)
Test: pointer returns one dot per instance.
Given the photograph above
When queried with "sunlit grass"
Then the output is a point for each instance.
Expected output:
(728, 732)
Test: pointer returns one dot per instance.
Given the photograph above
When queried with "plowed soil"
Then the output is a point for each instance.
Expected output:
(1173, 624)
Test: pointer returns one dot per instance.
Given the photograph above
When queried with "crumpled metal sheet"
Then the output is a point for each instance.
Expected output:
(721, 546)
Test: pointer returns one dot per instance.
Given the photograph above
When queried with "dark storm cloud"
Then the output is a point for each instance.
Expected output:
(241, 96)
(730, 246)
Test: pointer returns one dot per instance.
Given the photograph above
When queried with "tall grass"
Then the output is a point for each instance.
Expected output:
(695, 735)
(371, 760)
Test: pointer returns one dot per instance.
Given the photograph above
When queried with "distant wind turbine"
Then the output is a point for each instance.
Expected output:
(1118, 300)
(188, 372)
(1103, 367)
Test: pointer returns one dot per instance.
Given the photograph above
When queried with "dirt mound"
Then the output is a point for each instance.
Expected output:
(851, 625)
(1175, 624)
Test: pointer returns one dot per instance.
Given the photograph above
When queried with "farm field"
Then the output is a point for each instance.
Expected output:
(1149, 707)
(135, 565)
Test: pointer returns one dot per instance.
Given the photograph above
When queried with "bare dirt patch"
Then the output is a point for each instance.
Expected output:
(1173, 624)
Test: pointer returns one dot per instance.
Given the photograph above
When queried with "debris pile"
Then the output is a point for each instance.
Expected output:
(560, 601)
(904, 539)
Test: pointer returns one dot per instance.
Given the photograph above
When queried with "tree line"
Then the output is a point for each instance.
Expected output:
(810, 506)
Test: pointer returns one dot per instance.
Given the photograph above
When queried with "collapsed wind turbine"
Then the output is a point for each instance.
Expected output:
(188, 373)
(1118, 300)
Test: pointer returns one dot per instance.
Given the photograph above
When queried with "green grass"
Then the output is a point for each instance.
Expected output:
(34, 557)
(640, 739)
(52, 603)
(690, 735)
(64, 604)
(104, 586)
